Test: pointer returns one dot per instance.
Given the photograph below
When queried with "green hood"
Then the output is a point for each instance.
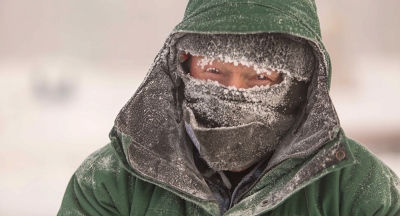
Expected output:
(149, 133)
(297, 18)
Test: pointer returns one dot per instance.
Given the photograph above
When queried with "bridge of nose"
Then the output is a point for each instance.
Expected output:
(237, 78)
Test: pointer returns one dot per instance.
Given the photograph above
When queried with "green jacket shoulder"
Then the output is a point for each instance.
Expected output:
(102, 186)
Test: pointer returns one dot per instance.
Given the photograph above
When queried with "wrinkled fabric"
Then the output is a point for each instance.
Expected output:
(358, 185)
(239, 147)
(238, 127)
(149, 169)
(220, 184)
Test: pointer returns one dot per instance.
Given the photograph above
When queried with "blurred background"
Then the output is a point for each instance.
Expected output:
(68, 67)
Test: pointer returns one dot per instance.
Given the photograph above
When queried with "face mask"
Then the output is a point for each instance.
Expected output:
(236, 127)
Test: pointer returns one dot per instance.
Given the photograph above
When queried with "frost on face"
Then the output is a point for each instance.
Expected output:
(229, 113)
(265, 52)
(206, 60)
(158, 104)
(227, 106)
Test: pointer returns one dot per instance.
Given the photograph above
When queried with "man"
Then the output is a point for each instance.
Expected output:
(235, 118)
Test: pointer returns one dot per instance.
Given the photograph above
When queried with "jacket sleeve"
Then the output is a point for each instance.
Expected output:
(369, 187)
(98, 187)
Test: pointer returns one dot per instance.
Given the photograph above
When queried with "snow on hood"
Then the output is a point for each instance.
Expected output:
(150, 125)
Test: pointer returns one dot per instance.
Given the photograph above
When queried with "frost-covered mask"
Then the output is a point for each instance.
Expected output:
(237, 127)
(215, 105)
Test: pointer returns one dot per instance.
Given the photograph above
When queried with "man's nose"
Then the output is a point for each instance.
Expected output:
(237, 82)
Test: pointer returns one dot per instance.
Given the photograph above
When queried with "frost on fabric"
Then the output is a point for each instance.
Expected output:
(96, 162)
(265, 52)
(227, 106)
(238, 147)
(219, 109)
(71, 212)
(159, 143)
(247, 119)
(311, 170)
(319, 122)
(396, 181)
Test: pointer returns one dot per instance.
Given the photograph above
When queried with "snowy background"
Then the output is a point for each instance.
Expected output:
(68, 67)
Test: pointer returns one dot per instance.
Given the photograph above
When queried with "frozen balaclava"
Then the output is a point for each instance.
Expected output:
(234, 128)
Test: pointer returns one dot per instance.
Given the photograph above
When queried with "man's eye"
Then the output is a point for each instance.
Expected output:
(261, 77)
(213, 70)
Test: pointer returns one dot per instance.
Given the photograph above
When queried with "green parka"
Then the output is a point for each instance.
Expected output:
(148, 168)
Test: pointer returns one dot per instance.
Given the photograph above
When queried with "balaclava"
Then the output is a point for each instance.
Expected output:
(234, 128)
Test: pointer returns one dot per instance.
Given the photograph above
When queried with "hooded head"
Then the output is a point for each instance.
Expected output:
(152, 127)
(247, 81)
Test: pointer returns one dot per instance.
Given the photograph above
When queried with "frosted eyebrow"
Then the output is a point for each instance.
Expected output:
(205, 61)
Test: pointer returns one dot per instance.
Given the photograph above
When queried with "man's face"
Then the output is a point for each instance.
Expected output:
(228, 74)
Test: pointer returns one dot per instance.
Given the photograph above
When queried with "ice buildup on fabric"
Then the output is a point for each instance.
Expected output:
(265, 52)
(252, 120)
